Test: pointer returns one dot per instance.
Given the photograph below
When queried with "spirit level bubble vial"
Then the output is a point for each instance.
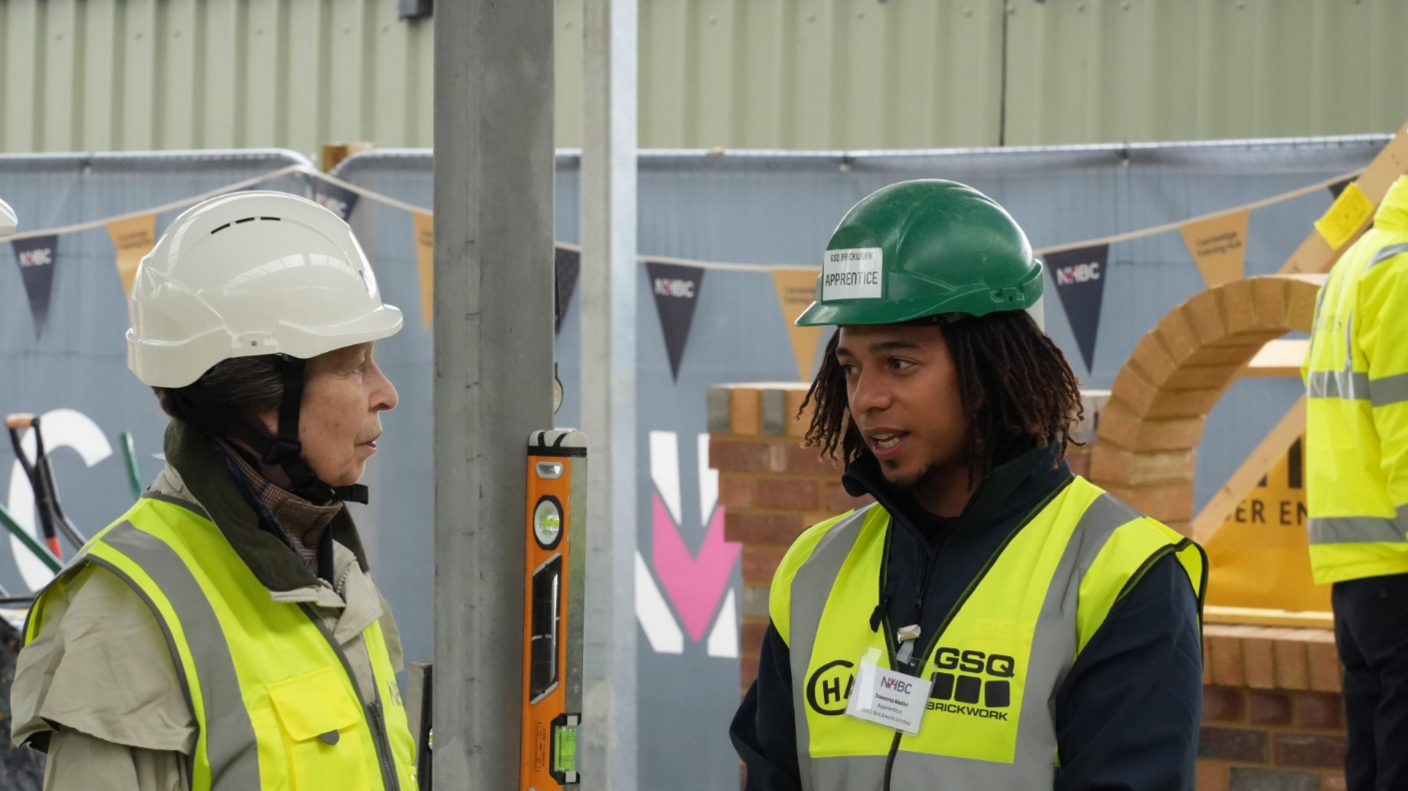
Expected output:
(553, 608)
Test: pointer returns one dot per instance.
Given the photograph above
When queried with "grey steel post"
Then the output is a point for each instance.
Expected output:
(609, 281)
(493, 365)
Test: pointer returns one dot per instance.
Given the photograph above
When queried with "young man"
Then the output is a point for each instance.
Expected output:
(992, 621)
(1357, 456)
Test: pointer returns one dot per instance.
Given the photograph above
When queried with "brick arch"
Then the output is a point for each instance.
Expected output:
(1146, 453)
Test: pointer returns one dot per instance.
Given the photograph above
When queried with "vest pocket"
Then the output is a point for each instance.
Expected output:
(323, 731)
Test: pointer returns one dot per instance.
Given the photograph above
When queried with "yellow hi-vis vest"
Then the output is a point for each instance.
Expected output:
(996, 664)
(274, 700)
(1356, 436)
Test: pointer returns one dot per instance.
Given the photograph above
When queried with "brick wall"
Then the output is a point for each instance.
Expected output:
(1272, 709)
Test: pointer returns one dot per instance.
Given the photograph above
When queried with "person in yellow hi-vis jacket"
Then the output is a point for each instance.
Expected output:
(224, 634)
(1356, 440)
(992, 622)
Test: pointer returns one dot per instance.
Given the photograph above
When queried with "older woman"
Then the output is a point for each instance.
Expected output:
(224, 632)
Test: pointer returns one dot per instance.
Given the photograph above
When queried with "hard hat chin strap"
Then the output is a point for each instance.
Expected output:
(283, 449)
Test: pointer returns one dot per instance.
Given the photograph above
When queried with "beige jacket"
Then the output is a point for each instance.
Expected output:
(100, 682)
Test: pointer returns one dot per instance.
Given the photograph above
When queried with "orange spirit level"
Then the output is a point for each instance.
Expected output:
(553, 609)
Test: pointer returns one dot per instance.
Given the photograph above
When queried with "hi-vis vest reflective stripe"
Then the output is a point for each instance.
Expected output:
(272, 695)
(997, 664)
(1357, 411)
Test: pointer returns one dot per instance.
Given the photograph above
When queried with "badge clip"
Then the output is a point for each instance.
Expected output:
(906, 636)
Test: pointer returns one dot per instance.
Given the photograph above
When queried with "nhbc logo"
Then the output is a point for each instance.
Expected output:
(42, 256)
(674, 287)
(963, 680)
(1077, 273)
(335, 205)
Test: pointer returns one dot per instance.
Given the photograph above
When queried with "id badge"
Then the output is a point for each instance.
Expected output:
(887, 697)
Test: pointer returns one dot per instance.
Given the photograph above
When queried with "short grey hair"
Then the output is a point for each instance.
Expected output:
(244, 386)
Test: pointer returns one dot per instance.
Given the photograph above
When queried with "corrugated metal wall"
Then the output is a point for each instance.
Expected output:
(790, 74)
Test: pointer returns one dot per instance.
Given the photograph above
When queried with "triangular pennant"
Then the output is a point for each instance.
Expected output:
(676, 290)
(1218, 245)
(567, 266)
(133, 237)
(425, 262)
(796, 288)
(1338, 187)
(1080, 280)
(336, 199)
(37, 258)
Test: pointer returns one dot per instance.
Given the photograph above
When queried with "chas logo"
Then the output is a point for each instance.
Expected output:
(830, 687)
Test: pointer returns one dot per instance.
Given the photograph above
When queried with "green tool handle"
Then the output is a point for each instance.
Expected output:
(40, 551)
(134, 473)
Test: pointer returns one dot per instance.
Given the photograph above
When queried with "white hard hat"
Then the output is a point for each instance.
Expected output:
(8, 222)
(248, 274)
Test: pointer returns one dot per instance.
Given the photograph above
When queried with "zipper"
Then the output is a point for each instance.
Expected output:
(383, 745)
(372, 711)
(922, 657)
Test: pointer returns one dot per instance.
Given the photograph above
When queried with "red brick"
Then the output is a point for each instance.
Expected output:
(747, 670)
(1207, 660)
(1153, 359)
(1133, 390)
(1319, 710)
(838, 500)
(793, 494)
(1326, 672)
(1205, 311)
(1300, 313)
(778, 530)
(1269, 294)
(736, 491)
(1309, 750)
(745, 410)
(1248, 778)
(1292, 661)
(1268, 708)
(1226, 658)
(1166, 503)
(1179, 335)
(1237, 306)
(808, 461)
(1221, 704)
(759, 563)
(747, 456)
(1185, 403)
(750, 635)
(1258, 659)
(1232, 744)
(1079, 461)
(1212, 776)
(1204, 377)
(797, 423)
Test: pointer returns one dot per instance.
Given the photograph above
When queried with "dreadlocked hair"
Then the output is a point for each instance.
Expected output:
(1016, 387)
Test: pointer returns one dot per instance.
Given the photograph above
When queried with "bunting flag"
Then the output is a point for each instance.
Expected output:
(676, 290)
(567, 266)
(133, 237)
(1345, 216)
(1080, 280)
(425, 261)
(37, 258)
(336, 199)
(1338, 187)
(796, 288)
(1218, 245)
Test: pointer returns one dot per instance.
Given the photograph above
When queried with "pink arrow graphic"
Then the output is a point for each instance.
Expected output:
(695, 583)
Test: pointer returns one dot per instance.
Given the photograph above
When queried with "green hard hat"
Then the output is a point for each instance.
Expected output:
(924, 248)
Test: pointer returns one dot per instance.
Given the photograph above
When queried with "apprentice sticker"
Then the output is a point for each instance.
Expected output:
(851, 274)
